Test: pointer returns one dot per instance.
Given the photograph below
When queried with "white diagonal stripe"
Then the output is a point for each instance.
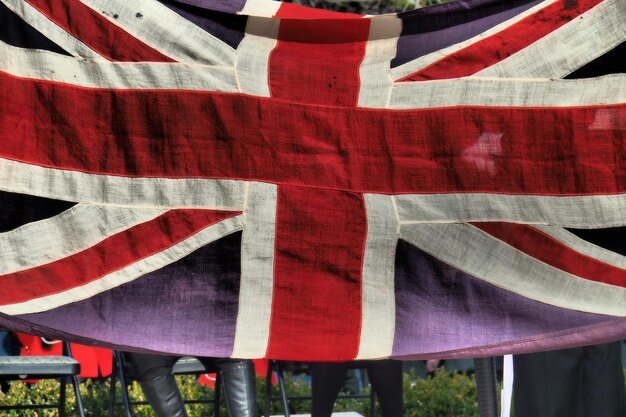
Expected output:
(253, 55)
(76, 186)
(582, 212)
(584, 247)
(51, 30)
(260, 8)
(257, 272)
(375, 87)
(45, 65)
(166, 31)
(569, 47)
(480, 255)
(129, 273)
(473, 91)
(426, 60)
(378, 294)
(24, 248)
(509, 92)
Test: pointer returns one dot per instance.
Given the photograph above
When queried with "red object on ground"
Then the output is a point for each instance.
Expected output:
(94, 361)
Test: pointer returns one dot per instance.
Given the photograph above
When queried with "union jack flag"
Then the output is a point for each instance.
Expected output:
(259, 179)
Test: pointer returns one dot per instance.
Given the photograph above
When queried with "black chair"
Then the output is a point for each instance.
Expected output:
(16, 368)
(279, 367)
(124, 371)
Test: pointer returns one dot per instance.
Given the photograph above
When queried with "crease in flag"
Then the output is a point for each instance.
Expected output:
(257, 179)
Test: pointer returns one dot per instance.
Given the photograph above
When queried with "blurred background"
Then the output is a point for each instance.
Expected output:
(368, 6)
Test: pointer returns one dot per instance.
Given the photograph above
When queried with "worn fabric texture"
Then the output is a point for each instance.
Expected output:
(259, 179)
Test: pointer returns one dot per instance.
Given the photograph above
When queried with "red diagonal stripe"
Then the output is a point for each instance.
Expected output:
(97, 32)
(110, 255)
(559, 151)
(551, 251)
(500, 46)
(316, 307)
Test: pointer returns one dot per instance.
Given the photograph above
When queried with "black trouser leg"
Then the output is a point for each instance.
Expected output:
(578, 382)
(603, 381)
(326, 381)
(547, 384)
(386, 379)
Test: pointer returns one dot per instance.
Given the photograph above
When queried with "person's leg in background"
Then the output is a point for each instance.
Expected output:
(603, 381)
(239, 386)
(384, 375)
(9, 346)
(327, 378)
(386, 379)
(154, 373)
(548, 384)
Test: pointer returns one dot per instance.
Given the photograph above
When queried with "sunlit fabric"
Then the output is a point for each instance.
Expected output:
(259, 179)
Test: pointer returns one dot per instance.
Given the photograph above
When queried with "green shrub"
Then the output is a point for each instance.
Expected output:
(447, 394)
(444, 395)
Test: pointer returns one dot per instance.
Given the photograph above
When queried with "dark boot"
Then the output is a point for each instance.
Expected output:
(154, 374)
(239, 384)
(163, 395)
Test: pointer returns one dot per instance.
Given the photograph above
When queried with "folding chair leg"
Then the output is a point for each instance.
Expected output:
(372, 402)
(268, 387)
(67, 350)
(77, 396)
(118, 373)
(112, 396)
(62, 396)
(125, 398)
(217, 398)
(283, 390)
